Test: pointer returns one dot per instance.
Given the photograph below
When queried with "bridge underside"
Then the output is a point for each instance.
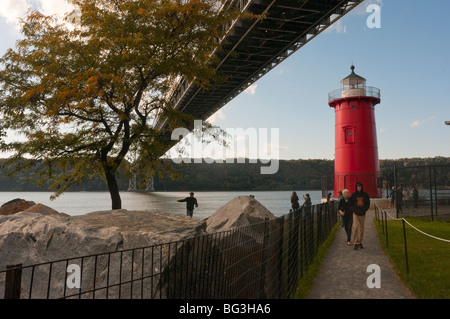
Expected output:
(255, 47)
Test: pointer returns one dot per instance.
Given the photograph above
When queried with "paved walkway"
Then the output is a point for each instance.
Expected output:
(343, 272)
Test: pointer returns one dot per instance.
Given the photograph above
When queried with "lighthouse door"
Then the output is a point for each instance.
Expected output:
(349, 182)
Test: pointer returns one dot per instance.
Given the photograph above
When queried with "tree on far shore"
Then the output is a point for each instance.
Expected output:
(81, 93)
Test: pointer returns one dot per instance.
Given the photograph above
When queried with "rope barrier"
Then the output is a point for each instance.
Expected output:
(420, 231)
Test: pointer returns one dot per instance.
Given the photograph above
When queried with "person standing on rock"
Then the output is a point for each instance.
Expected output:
(294, 201)
(191, 201)
(346, 210)
(360, 202)
(307, 202)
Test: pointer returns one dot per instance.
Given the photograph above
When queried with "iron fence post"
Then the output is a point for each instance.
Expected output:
(435, 191)
(385, 222)
(262, 294)
(431, 194)
(13, 281)
(395, 191)
(405, 245)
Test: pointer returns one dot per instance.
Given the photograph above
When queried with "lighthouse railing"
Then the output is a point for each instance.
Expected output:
(368, 91)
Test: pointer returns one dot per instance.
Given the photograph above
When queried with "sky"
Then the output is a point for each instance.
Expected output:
(407, 58)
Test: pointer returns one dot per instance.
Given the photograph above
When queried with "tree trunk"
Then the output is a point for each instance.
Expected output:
(113, 188)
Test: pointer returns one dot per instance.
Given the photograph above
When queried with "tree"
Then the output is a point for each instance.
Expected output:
(83, 95)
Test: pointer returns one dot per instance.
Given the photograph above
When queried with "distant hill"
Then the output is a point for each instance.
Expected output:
(292, 175)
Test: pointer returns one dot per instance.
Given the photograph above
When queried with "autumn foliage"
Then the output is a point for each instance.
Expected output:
(81, 93)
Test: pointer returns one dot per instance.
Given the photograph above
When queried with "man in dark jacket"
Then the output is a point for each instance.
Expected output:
(360, 202)
(191, 201)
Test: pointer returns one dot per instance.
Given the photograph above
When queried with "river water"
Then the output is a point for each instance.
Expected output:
(78, 203)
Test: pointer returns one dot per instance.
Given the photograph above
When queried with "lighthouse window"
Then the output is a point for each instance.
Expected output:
(349, 135)
(353, 107)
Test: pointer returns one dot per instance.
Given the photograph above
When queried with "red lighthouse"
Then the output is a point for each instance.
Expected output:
(356, 149)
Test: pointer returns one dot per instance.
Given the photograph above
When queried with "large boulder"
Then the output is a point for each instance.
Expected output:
(239, 237)
(29, 238)
(240, 211)
(44, 210)
(14, 206)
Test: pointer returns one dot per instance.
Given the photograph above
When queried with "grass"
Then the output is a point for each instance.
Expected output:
(305, 283)
(429, 259)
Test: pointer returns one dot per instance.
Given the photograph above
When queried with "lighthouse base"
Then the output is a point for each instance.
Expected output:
(372, 183)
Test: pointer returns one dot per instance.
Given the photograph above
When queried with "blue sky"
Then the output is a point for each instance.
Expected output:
(408, 58)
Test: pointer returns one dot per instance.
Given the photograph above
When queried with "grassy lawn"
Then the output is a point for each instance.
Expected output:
(429, 259)
(305, 283)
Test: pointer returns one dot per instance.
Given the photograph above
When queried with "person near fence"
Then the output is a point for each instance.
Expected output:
(191, 201)
(294, 201)
(392, 197)
(360, 202)
(415, 195)
(399, 200)
(340, 216)
(307, 203)
(405, 197)
(346, 211)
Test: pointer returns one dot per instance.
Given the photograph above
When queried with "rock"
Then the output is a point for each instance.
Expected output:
(242, 240)
(44, 210)
(14, 206)
(240, 211)
(29, 238)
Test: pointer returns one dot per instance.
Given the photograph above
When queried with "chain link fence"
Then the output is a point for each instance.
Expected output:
(421, 191)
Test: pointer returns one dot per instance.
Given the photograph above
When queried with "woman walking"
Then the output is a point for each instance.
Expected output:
(346, 210)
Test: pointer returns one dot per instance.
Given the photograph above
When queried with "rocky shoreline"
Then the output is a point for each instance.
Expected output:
(33, 233)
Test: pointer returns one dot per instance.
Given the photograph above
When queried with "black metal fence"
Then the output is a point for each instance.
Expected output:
(263, 260)
(422, 190)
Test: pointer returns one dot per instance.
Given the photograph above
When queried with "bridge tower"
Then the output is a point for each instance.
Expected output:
(356, 148)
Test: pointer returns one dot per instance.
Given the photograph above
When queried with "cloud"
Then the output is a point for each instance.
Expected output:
(338, 27)
(251, 89)
(415, 124)
(218, 116)
(382, 130)
(13, 10)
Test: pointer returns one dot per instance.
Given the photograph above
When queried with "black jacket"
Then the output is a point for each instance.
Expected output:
(346, 207)
(360, 201)
(190, 202)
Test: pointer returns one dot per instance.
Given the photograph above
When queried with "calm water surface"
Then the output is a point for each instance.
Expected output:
(78, 203)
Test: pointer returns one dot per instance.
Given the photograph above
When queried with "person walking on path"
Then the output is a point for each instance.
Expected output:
(360, 201)
(346, 211)
(191, 201)
(294, 201)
